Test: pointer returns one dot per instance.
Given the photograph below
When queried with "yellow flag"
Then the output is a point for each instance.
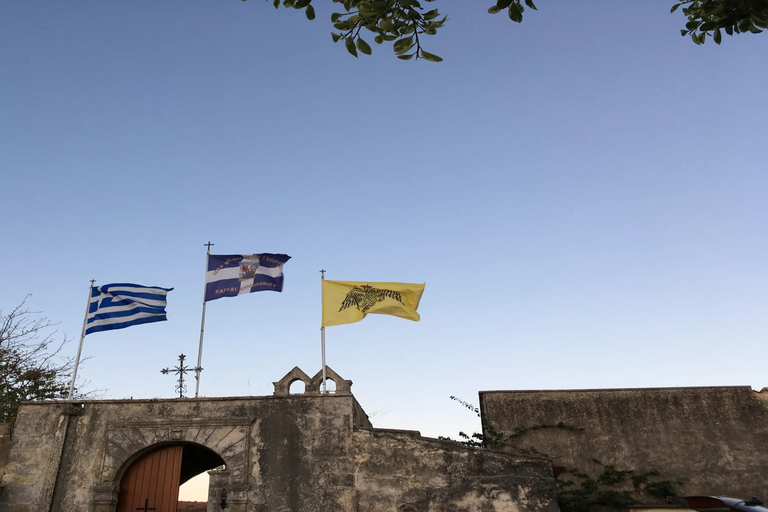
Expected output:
(346, 302)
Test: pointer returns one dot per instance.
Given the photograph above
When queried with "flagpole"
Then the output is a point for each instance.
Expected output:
(80, 346)
(199, 368)
(322, 330)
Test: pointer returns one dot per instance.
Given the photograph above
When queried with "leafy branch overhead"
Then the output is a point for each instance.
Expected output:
(402, 22)
(406, 22)
(711, 17)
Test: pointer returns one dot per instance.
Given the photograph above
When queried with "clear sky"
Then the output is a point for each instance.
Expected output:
(584, 196)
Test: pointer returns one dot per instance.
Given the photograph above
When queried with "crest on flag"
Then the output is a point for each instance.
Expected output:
(237, 274)
(346, 302)
(366, 296)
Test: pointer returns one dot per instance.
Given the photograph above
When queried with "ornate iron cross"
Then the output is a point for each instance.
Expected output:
(180, 370)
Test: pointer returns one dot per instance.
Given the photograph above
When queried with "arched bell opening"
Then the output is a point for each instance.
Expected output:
(297, 387)
(330, 386)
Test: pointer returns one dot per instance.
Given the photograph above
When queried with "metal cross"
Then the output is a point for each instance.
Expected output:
(322, 274)
(146, 506)
(180, 370)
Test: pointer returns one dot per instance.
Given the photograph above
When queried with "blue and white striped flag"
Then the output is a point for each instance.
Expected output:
(236, 274)
(119, 305)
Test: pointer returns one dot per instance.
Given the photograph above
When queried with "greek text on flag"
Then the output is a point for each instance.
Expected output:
(120, 305)
(237, 274)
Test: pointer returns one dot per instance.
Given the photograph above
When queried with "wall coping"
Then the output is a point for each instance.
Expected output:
(628, 390)
(186, 400)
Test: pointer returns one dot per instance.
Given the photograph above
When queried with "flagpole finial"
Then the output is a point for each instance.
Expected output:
(208, 245)
(322, 274)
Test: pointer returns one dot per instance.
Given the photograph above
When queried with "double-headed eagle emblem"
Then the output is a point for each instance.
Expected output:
(366, 296)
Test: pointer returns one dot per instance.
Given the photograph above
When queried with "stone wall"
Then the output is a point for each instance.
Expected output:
(287, 453)
(401, 471)
(713, 439)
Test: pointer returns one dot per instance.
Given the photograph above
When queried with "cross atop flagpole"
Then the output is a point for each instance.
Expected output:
(199, 367)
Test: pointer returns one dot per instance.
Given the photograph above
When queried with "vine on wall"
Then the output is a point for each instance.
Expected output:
(612, 489)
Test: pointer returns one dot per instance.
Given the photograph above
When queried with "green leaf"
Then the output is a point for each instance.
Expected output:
(431, 57)
(514, 14)
(494, 9)
(310, 12)
(350, 46)
(363, 46)
(674, 8)
(717, 36)
(335, 17)
(405, 57)
(335, 37)
(530, 4)
(403, 45)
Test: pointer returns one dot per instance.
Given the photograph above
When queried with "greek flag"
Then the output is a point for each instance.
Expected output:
(119, 305)
(237, 274)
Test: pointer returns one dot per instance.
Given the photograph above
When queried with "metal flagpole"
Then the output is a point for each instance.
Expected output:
(322, 329)
(80, 347)
(199, 368)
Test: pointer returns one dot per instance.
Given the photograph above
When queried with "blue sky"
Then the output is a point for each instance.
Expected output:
(583, 195)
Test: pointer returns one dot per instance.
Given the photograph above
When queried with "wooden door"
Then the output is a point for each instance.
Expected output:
(151, 484)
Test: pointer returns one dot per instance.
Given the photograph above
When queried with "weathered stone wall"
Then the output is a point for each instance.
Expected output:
(275, 449)
(713, 439)
(401, 471)
(295, 453)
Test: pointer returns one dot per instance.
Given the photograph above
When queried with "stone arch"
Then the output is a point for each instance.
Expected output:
(128, 442)
(207, 459)
(125, 443)
(312, 386)
(283, 386)
(343, 386)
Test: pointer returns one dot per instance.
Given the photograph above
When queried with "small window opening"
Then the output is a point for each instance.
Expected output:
(297, 387)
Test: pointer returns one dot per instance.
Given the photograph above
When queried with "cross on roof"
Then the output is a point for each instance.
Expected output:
(180, 370)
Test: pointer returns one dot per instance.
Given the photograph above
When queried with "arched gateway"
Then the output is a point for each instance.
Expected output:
(151, 482)
(307, 452)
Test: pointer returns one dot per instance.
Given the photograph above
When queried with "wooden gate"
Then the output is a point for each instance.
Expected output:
(151, 484)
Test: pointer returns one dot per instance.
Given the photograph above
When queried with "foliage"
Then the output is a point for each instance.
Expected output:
(30, 365)
(489, 439)
(405, 22)
(577, 491)
(711, 17)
